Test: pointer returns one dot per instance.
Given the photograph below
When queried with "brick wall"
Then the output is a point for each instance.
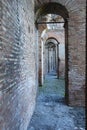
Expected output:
(77, 54)
(17, 64)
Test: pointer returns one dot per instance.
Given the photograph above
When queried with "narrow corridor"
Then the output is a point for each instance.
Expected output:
(51, 112)
(36, 37)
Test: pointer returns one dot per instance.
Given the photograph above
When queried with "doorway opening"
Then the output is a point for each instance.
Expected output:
(52, 48)
(52, 15)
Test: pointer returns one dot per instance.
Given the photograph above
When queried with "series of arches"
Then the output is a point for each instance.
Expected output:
(59, 9)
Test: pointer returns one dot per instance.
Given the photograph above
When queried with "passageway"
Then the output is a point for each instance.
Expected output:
(51, 113)
(36, 38)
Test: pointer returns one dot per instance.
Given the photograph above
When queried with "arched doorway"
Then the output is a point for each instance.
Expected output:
(53, 42)
(55, 8)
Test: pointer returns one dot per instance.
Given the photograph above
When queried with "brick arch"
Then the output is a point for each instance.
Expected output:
(56, 8)
(52, 8)
(52, 38)
(75, 42)
(73, 6)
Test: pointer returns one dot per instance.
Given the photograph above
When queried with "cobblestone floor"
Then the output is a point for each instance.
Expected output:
(51, 112)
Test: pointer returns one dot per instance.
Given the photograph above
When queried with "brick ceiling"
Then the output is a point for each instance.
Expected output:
(49, 7)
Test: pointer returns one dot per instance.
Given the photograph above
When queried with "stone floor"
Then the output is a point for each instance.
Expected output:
(51, 112)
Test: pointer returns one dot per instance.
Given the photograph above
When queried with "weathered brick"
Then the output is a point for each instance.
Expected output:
(18, 57)
(17, 64)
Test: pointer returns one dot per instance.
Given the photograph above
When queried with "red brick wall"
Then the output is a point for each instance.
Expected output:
(17, 64)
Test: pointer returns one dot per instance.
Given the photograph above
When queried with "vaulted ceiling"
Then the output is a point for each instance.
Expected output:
(50, 7)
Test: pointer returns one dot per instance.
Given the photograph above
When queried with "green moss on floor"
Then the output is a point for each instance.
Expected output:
(53, 85)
